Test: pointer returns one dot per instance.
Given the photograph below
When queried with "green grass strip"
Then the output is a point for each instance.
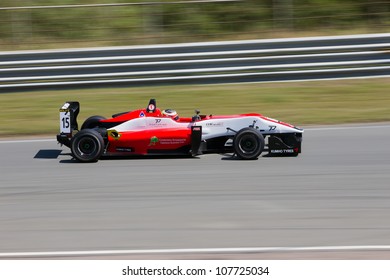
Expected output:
(299, 103)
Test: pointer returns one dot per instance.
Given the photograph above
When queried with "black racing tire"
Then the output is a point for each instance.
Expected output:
(87, 145)
(92, 122)
(248, 143)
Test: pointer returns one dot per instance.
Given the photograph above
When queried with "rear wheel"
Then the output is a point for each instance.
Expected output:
(92, 122)
(248, 143)
(87, 145)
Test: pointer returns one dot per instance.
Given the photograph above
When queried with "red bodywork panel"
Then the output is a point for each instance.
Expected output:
(146, 141)
(133, 115)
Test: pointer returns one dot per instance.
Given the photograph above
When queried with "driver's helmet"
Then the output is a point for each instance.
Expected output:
(170, 113)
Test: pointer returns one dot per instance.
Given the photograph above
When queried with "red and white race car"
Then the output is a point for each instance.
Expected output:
(151, 131)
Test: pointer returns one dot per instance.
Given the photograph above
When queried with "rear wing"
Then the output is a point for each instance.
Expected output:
(68, 121)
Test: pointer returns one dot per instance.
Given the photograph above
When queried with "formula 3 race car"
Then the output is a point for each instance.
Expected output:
(151, 131)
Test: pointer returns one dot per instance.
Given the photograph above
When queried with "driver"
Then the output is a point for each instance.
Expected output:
(170, 113)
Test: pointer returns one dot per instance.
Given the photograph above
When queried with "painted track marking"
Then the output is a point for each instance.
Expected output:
(194, 250)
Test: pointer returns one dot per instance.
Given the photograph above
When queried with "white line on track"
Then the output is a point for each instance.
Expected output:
(26, 141)
(194, 251)
(342, 127)
(335, 127)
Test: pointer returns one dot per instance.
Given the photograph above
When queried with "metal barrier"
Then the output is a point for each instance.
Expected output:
(355, 56)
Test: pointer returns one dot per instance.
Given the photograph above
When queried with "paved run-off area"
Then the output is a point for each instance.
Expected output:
(336, 193)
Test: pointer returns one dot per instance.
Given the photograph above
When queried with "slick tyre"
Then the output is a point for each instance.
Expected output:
(92, 122)
(87, 145)
(248, 143)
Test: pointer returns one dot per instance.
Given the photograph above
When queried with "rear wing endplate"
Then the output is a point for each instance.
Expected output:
(68, 117)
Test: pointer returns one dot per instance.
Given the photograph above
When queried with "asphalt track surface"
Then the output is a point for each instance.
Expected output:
(336, 193)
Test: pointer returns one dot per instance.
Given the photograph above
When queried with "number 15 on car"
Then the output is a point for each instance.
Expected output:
(65, 122)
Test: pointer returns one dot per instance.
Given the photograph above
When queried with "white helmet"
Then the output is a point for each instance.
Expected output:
(170, 113)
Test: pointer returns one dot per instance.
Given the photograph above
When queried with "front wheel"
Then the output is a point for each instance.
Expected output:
(87, 145)
(248, 143)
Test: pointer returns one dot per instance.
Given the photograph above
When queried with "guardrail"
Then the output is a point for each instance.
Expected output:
(355, 56)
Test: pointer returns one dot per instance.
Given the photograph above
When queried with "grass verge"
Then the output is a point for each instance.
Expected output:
(300, 103)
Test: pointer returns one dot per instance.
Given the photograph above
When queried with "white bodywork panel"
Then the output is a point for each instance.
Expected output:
(211, 126)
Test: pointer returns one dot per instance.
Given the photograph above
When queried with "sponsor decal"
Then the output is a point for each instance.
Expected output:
(172, 141)
(121, 149)
(283, 151)
(114, 134)
(166, 141)
(142, 114)
(153, 141)
(157, 123)
(214, 124)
